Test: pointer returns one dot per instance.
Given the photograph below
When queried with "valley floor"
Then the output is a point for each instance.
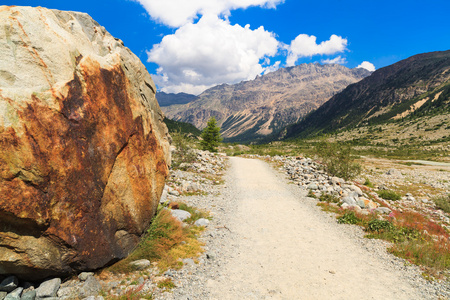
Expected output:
(269, 241)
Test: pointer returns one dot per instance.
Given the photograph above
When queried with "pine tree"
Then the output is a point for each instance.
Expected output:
(211, 136)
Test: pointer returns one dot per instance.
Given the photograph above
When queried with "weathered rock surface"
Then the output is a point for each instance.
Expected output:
(84, 151)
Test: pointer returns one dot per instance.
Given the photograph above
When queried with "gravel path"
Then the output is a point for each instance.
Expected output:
(269, 241)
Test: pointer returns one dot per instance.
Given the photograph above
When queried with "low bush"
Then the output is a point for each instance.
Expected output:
(368, 183)
(349, 217)
(443, 202)
(184, 152)
(379, 225)
(389, 195)
(338, 159)
(329, 198)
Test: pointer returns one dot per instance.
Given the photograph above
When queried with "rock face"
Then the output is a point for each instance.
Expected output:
(84, 151)
(257, 108)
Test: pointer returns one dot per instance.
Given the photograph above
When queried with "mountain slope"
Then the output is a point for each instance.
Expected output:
(165, 99)
(253, 109)
(417, 85)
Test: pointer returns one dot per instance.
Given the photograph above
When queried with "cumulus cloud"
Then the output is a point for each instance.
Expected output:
(210, 52)
(367, 65)
(305, 45)
(337, 60)
(176, 13)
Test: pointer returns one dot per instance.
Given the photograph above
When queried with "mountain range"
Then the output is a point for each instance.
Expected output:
(254, 109)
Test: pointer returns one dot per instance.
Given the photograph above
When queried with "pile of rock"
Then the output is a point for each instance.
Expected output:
(309, 175)
(206, 162)
(195, 178)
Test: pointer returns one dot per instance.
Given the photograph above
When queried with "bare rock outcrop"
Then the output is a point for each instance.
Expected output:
(84, 151)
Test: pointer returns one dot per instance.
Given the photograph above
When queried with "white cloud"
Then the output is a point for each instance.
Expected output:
(305, 45)
(367, 65)
(337, 60)
(272, 68)
(211, 52)
(176, 13)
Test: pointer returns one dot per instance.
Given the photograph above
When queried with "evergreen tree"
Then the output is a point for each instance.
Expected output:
(211, 136)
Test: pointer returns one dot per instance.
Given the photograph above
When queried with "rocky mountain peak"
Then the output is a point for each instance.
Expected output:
(254, 109)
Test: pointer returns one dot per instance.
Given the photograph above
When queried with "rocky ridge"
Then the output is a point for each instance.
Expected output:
(262, 106)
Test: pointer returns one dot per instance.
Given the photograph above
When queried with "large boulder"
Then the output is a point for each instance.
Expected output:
(83, 148)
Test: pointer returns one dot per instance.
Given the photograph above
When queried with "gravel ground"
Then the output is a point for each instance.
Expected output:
(333, 262)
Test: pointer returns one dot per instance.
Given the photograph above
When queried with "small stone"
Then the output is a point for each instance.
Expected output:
(69, 292)
(349, 200)
(168, 273)
(141, 264)
(14, 295)
(28, 295)
(48, 288)
(356, 189)
(180, 214)
(202, 222)
(383, 210)
(361, 203)
(91, 287)
(312, 186)
(84, 276)
(9, 284)
(174, 193)
(163, 198)
(3, 295)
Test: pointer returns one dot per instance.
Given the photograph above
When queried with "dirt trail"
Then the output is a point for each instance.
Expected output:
(286, 248)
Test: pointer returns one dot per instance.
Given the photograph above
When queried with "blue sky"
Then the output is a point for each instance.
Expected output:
(190, 45)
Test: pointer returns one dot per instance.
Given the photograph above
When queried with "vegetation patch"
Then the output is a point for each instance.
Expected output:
(415, 238)
(443, 202)
(389, 195)
(166, 284)
(329, 198)
(338, 159)
(184, 152)
(167, 242)
(328, 207)
(131, 294)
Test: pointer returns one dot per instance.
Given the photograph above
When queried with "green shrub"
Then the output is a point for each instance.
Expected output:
(338, 159)
(311, 194)
(368, 183)
(379, 225)
(443, 202)
(184, 152)
(389, 195)
(329, 198)
(349, 217)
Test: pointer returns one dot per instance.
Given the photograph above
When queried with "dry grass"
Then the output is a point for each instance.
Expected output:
(167, 242)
